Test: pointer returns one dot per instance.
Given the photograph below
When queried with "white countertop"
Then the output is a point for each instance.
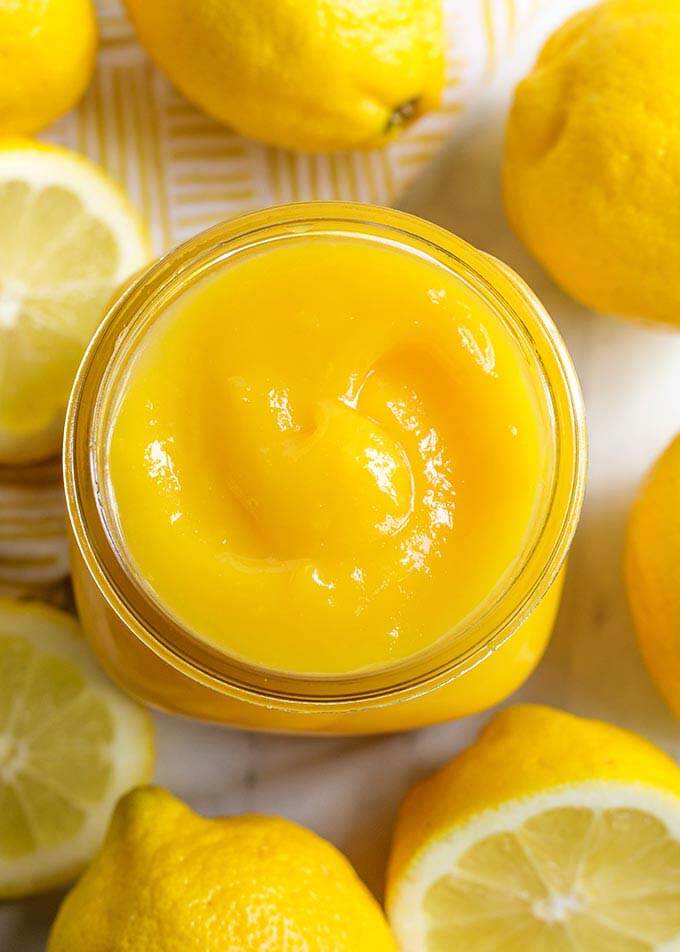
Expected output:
(347, 789)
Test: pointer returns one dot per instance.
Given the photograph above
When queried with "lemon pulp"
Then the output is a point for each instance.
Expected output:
(568, 877)
(68, 238)
(70, 744)
(550, 833)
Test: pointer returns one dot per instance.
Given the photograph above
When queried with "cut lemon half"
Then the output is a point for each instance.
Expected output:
(550, 834)
(70, 745)
(68, 239)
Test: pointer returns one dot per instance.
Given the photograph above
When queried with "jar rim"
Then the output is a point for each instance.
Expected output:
(455, 652)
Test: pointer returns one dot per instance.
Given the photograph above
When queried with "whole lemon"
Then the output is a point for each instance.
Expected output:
(167, 880)
(653, 573)
(309, 75)
(592, 159)
(47, 53)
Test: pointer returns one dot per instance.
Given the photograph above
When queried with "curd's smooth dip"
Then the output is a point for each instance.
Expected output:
(326, 455)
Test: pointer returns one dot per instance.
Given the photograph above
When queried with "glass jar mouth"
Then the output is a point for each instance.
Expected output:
(473, 638)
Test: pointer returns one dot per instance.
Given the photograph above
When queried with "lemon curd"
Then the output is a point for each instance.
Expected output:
(326, 455)
(321, 476)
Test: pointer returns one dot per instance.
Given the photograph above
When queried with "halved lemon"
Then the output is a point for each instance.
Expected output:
(68, 239)
(70, 745)
(550, 834)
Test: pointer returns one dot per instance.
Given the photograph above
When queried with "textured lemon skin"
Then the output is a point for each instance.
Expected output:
(592, 158)
(167, 880)
(652, 569)
(525, 750)
(309, 75)
(47, 54)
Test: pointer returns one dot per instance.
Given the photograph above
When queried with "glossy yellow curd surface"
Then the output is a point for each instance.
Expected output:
(326, 455)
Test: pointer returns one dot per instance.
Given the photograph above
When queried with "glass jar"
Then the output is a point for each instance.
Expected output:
(475, 665)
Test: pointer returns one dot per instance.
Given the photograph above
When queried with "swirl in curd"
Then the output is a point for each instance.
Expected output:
(326, 455)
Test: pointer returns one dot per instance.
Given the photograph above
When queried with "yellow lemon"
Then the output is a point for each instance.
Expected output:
(47, 52)
(550, 833)
(68, 239)
(70, 745)
(592, 158)
(333, 74)
(167, 880)
(653, 573)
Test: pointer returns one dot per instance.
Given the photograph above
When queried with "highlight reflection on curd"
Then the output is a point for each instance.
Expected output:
(326, 455)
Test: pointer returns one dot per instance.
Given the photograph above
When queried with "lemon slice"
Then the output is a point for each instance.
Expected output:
(70, 745)
(550, 834)
(68, 239)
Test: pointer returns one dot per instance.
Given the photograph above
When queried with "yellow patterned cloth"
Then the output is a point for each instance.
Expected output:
(33, 555)
(186, 172)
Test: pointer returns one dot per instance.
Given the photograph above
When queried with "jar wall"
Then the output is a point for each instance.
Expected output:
(148, 677)
(149, 654)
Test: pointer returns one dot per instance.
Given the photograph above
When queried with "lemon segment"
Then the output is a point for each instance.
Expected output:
(68, 239)
(511, 847)
(70, 745)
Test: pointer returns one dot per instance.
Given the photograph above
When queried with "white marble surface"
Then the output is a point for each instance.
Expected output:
(348, 790)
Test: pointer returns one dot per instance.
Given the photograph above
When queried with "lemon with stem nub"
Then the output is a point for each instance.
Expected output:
(550, 833)
(167, 880)
(70, 745)
(327, 75)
